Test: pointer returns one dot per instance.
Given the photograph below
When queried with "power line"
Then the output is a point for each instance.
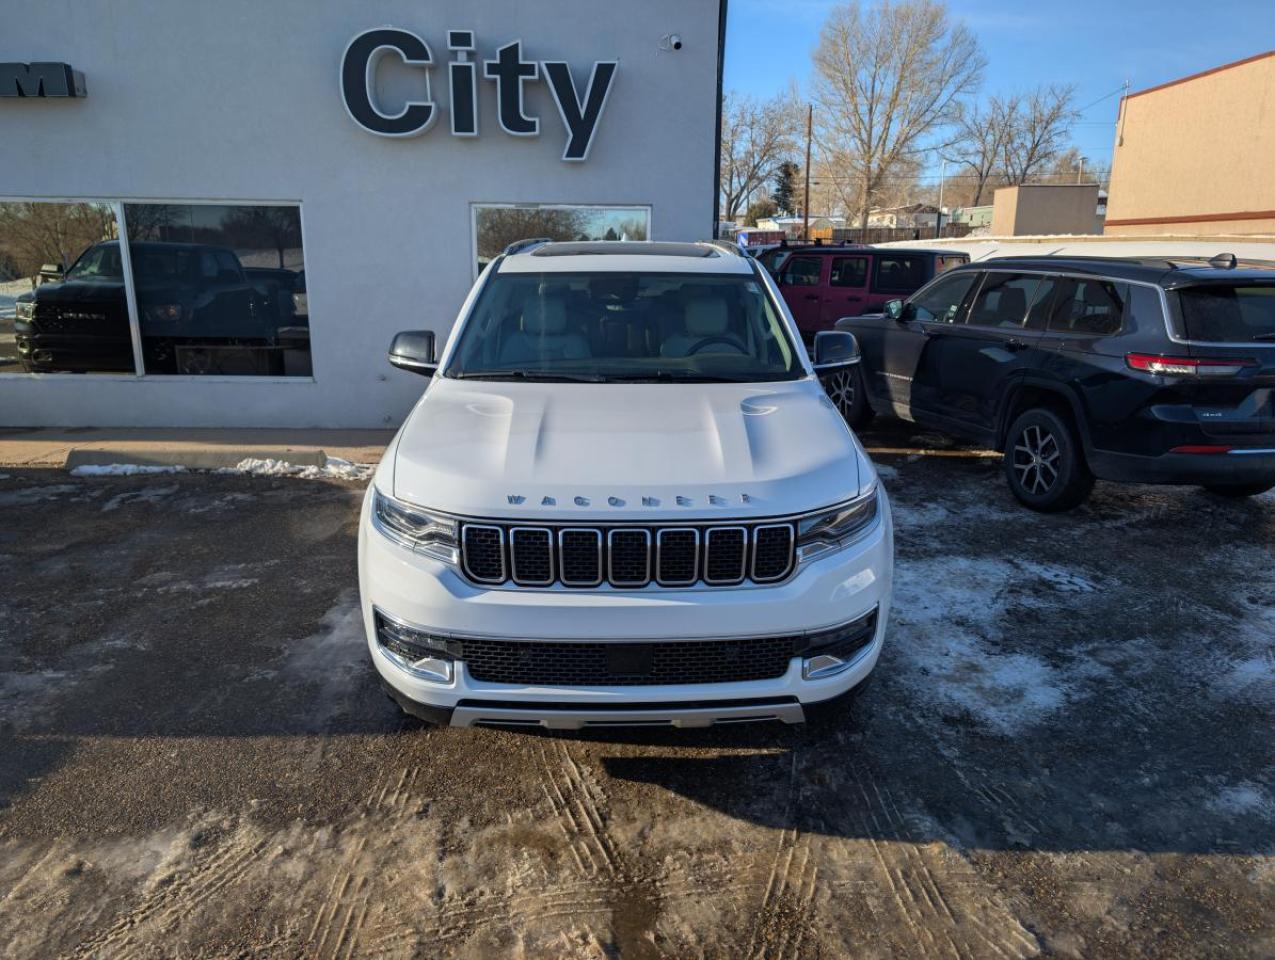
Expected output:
(1107, 96)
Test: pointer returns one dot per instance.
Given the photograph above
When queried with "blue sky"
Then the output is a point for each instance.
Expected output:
(1095, 45)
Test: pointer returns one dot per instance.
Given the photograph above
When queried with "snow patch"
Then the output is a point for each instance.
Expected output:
(147, 495)
(335, 656)
(122, 469)
(886, 472)
(29, 495)
(334, 468)
(951, 615)
(1243, 798)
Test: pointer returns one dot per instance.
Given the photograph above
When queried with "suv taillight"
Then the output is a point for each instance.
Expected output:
(1188, 366)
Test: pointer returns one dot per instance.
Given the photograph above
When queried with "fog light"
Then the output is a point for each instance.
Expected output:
(828, 652)
(414, 651)
(823, 665)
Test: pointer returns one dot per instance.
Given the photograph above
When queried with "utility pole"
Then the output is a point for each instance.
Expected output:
(805, 206)
(1080, 174)
(938, 217)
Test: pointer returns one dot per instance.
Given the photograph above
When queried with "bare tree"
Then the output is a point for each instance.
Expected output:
(1041, 126)
(32, 234)
(979, 143)
(886, 80)
(756, 137)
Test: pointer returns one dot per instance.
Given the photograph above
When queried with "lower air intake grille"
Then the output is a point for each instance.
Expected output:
(628, 664)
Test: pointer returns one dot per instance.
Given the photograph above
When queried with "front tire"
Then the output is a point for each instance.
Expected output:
(1044, 462)
(845, 390)
(1238, 490)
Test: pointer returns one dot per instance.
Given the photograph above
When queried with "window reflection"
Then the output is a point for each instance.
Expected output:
(220, 289)
(62, 303)
(498, 225)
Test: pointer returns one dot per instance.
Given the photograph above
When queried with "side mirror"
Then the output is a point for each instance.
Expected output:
(834, 350)
(51, 272)
(414, 350)
(894, 309)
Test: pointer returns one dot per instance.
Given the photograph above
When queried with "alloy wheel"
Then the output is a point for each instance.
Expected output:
(1036, 456)
(840, 389)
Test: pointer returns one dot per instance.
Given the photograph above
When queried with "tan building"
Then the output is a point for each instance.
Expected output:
(1045, 208)
(1197, 155)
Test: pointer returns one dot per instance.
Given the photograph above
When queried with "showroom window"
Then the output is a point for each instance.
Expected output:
(496, 225)
(62, 304)
(200, 289)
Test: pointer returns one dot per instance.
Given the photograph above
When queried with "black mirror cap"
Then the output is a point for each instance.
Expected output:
(835, 349)
(414, 350)
(894, 309)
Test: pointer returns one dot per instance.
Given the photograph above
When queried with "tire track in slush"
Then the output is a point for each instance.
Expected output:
(168, 904)
(969, 921)
(343, 915)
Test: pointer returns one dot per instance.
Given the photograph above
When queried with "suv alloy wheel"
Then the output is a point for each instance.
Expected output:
(1044, 464)
(845, 390)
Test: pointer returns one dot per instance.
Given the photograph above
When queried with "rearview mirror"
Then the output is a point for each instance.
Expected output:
(414, 350)
(894, 309)
(835, 349)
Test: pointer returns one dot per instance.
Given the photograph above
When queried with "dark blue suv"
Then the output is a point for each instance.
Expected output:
(1155, 371)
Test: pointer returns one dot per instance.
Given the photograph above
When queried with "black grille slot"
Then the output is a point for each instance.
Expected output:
(484, 553)
(531, 556)
(725, 554)
(677, 557)
(629, 558)
(580, 553)
(627, 664)
(772, 551)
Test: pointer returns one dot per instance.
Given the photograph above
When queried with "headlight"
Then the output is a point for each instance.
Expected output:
(824, 532)
(404, 523)
(26, 309)
(164, 312)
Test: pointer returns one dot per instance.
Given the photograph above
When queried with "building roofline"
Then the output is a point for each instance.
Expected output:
(1202, 73)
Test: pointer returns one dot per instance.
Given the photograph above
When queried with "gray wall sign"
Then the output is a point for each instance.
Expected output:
(40, 80)
(579, 112)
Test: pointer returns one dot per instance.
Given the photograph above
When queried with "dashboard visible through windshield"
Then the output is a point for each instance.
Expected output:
(625, 328)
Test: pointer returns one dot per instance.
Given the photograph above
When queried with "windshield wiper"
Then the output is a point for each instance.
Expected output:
(543, 375)
(668, 376)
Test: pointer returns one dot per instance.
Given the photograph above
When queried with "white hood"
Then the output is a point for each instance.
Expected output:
(627, 451)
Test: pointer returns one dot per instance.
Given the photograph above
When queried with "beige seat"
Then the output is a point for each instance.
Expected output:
(544, 335)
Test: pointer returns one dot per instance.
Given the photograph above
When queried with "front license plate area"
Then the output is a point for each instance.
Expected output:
(630, 659)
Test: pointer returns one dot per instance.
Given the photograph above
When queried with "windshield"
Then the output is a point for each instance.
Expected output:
(625, 327)
(98, 263)
(1228, 314)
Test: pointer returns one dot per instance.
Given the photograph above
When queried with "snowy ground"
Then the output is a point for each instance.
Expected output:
(1065, 751)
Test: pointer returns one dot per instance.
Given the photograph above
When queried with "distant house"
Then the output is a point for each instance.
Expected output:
(909, 215)
(793, 225)
(976, 217)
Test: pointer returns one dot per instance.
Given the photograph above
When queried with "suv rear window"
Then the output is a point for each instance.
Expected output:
(1227, 314)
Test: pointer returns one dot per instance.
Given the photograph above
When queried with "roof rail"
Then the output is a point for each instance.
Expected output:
(520, 245)
(726, 246)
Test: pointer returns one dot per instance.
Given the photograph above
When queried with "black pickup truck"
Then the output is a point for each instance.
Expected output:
(193, 300)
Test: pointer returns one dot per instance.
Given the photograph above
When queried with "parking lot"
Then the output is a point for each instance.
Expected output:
(1065, 751)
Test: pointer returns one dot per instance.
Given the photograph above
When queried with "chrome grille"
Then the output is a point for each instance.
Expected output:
(627, 556)
(531, 556)
(580, 557)
(483, 548)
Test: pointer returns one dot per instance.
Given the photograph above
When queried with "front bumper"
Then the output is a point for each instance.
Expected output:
(823, 593)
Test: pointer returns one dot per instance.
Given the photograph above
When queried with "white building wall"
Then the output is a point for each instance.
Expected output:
(239, 101)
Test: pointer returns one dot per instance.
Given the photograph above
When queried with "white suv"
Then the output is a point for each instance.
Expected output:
(624, 498)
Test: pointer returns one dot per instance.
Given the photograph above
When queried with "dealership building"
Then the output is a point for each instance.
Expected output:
(300, 179)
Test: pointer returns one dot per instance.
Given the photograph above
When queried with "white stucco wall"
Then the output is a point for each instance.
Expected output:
(239, 100)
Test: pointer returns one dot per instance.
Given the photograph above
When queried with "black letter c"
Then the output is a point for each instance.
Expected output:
(358, 78)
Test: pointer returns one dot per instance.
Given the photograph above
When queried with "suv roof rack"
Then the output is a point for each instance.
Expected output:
(727, 246)
(519, 245)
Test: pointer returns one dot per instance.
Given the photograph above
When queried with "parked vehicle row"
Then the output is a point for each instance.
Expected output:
(1079, 368)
